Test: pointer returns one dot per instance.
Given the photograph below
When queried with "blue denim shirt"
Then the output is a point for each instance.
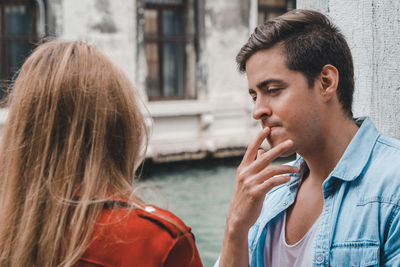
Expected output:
(360, 221)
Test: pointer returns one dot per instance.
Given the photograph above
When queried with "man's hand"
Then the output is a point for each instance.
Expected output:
(255, 178)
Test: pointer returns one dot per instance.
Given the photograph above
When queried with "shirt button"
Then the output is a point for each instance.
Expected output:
(284, 203)
(320, 258)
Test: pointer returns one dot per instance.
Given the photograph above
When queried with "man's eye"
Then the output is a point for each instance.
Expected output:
(253, 97)
(273, 90)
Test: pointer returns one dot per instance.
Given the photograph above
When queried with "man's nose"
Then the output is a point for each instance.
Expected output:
(261, 109)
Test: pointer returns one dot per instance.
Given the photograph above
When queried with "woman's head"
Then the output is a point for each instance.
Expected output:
(72, 110)
(74, 130)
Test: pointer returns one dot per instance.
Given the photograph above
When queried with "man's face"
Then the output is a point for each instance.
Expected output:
(283, 100)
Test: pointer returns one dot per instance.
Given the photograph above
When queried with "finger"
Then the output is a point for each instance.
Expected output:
(271, 155)
(269, 184)
(260, 152)
(251, 151)
(275, 170)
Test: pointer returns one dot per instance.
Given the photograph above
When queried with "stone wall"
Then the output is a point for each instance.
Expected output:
(372, 28)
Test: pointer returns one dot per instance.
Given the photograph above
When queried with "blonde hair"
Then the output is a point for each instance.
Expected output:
(74, 139)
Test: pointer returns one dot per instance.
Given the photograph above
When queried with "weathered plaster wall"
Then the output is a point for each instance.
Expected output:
(110, 24)
(227, 29)
(372, 28)
(226, 32)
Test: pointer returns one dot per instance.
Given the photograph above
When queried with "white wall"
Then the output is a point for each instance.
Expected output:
(227, 89)
(108, 24)
(372, 29)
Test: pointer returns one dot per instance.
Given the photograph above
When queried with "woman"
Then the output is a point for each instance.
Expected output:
(74, 138)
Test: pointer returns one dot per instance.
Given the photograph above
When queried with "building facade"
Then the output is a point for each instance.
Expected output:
(180, 54)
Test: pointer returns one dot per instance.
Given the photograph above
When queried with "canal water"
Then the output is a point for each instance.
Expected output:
(199, 194)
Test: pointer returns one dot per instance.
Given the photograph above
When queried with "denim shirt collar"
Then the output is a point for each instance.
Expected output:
(358, 152)
(355, 157)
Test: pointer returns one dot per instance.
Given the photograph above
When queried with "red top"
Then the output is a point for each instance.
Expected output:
(135, 237)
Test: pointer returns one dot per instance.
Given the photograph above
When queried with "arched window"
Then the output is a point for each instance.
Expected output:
(18, 33)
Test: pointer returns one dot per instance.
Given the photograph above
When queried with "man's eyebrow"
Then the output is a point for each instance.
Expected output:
(251, 91)
(265, 83)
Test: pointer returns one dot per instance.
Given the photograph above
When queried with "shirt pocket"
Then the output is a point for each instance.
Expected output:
(357, 254)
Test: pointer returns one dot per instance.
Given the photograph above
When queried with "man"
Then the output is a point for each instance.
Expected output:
(338, 203)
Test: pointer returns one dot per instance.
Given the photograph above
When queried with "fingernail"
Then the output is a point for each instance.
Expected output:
(288, 142)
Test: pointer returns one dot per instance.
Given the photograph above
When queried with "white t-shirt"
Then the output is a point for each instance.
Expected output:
(279, 254)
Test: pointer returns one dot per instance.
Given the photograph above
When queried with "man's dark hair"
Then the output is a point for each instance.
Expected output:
(310, 41)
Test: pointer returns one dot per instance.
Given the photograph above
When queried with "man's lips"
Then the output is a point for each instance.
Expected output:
(272, 126)
(273, 129)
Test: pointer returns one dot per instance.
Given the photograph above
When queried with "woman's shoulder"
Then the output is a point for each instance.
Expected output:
(150, 216)
(145, 236)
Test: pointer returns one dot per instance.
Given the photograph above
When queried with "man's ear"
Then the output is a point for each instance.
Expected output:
(329, 79)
